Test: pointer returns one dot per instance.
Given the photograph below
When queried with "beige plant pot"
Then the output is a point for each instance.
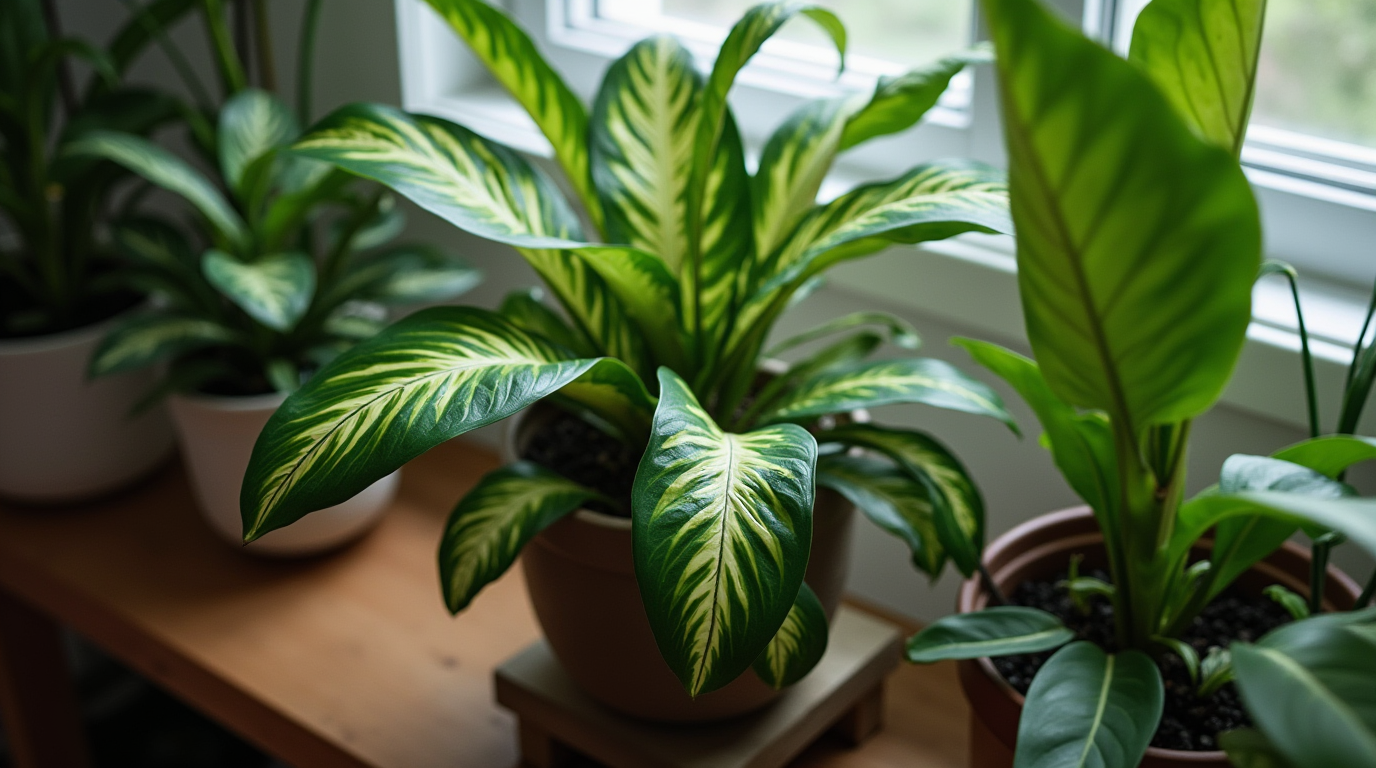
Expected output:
(581, 578)
(64, 438)
(217, 436)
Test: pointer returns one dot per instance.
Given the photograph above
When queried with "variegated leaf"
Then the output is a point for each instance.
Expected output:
(526, 311)
(494, 521)
(593, 307)
(795, 160)
(843, 353)
(275, 290)
(427, 378)
(867, 385)
(514, 61)
(1002, 630)
(649, 293)
(252, 123)
(409, 274)
(798, 645)
(900, 331)
(726, 258)
(957, 505)
(891, 500)
(152, 338)
(722, 527)
(899, 102)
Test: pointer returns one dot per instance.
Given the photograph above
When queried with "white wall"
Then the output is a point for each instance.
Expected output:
(358, 61)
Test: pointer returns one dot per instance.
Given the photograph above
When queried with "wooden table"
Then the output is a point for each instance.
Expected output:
(344, 660)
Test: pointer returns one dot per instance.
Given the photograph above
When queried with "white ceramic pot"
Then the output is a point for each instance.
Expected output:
(64, 438)
(217, 436)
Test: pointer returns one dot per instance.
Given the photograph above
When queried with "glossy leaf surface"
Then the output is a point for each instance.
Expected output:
(798, 645)
(891, 500)
(998, 631)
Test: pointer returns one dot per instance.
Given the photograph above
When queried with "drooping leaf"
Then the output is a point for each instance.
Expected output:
(494, 521)
(515, 62)
(1003, 630)
(798, 645)
(153, 338)
(722, 526)
(1203, 56)
(1329, 455)
(252, 123)
(1137, 241)
(958, 508)
(891, 500)
(1087, 708)
(275, 290)
(427, 378)
(907, 380)
(899, 102)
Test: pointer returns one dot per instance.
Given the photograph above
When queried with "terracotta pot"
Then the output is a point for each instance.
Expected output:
(581, 579)
(1040, 548)
(64, 438)
(217, 436)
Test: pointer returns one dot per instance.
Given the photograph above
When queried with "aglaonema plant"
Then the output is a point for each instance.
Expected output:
(1138, 243)
(668, 292)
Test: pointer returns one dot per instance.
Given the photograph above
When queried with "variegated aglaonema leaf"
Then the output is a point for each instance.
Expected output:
(798, 645)
(958, 509)
(144, 340)
(492, 522)
(891, 500)
(794, 161)
(425, 379)
(275, 290)
(722, 528)
(252, 123)
(905, 380)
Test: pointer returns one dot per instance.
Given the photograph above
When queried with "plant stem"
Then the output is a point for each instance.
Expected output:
(1367, 594)
(990, 586)
(231, 68)
(262, 43)
(305, 66)
(1318, 574)
(174, 55)
(1306, 360)
(1353, 401)
(66, 88)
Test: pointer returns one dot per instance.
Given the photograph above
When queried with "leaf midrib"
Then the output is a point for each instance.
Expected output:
(719, 571)
(1026, 638)
(1101, 706)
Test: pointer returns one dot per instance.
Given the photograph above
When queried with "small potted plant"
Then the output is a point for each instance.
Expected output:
(62, 438)
(289, 265)
(1138, 243)
(669, 502)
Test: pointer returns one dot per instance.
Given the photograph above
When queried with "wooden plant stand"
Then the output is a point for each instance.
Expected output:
(845, 691)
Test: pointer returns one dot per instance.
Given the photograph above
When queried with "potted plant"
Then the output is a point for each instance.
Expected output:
(694, 474)
(63, 438)
(290, 264)
(1138, 242)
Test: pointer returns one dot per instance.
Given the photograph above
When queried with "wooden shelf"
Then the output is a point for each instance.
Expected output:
(349, 659)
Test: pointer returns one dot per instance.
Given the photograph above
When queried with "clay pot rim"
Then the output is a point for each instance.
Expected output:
(972, 590)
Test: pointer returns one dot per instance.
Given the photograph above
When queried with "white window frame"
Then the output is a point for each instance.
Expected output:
(1318, 198)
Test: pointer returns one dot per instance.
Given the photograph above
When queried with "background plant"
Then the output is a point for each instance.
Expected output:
(1138, 243)
(668, 291)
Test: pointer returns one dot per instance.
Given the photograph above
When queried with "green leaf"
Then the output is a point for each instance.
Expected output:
(1356, 518)
(275, 290)
(516, 63)
(868, 385)
(722, 527)
(845, 352)
(1004, 630)
(891, 500)
(899, 102)
(1330, 455)
(645, 287)
(957, 505)
(1216, 670)
(901, 332)
(413, 273)
(1087, 708)
(798, 645)
(494, 521)
(168, 171)
(526, 311)
(1248, 748)
(252, 123)
(429, 377)
(794, 161)
(725, 261)
(147, 339)
(1295, 605)
(1138, 242)
(1203, 56)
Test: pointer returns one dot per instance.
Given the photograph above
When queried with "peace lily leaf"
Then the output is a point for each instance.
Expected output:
(795, 160)
(798, 645)
(1248, 748)
(867, 385)
(1086, 708)
(901, 332)
(495, 520)
(1203, 56)
(274, 290)
(168, 171)
(152, 338)
(425, 379)
(722, 527)
(899, 102)
(1330, 455)
(1003, 630)
(1137, 241)
(524, 310)
(1356, 518)
(515, 62)
(252, 123)
(958, 509)
(891, 500)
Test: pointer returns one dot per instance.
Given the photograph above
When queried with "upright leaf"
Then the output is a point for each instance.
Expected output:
(1002, 630)
(252, 123)
(275, 290)
(794, 161)
(899, 102)
(891, 500)
(1087, 708)
(798, 645)
(1137, 241)
(722, 527)
(649, 293)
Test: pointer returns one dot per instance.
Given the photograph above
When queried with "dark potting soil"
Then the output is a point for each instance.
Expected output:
(586, 455)
(1188, 722)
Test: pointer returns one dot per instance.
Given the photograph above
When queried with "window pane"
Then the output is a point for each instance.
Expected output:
(905, 32)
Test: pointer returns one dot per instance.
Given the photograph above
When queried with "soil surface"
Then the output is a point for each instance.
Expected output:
(1189, 722)
(584, 454)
